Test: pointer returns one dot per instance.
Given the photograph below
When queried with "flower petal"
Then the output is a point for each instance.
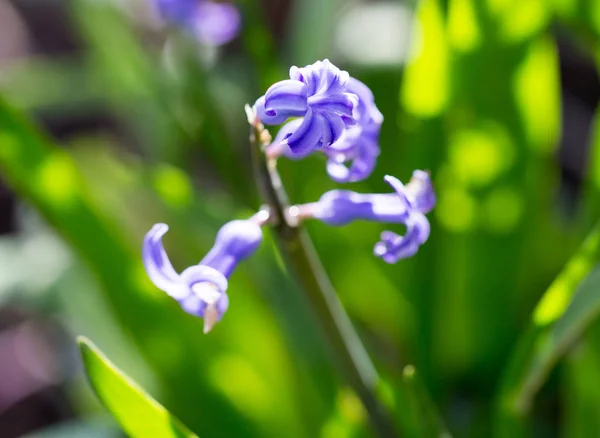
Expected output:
(419, 192)
(363, 159)
(393, 247)
(159, 267)
(308, 135)
(203, 274)
(288, 97)
(268, 117)
(339, 103)
(396, 185)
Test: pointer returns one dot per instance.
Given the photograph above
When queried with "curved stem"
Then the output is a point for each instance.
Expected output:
(297, 248)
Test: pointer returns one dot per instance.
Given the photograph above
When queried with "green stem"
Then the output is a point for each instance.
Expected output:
(297, 248)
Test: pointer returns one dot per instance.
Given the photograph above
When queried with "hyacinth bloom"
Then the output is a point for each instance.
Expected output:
(201, 290)
(346, 127)
(360, 143)
(407, 206)
(319, 94)
(214, 24)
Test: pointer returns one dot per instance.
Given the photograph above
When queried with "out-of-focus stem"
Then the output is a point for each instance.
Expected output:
(300, 255)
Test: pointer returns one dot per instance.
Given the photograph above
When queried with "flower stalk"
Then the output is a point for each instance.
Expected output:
(298, 250)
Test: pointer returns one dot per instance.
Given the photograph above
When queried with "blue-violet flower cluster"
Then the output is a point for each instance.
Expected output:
(201, 290)
(407, 206)
(334, 114)
(212, 23)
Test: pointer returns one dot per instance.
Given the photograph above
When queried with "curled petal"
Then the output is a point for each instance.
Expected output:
(159, 267)
(419, 192)
(204, 274)
(309, 134)
(207, 288)
(289, 97)
(268, 117)
(279, 145)
(339, 103)
(216, 23)
(362, 161)
(396, 185)
(334, 80)
(337, 127)
(393, 247)
(368, 112)
(321, 77)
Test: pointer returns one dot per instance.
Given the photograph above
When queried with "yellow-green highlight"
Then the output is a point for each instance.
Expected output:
(537, 92)
(558, 296)
(463, 30)
(425, 89)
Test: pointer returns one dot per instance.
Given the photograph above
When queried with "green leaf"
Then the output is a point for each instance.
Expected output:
(567, 308)
(138, 413)
(50, 180)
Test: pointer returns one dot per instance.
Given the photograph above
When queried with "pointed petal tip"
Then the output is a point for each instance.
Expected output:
(211, 317)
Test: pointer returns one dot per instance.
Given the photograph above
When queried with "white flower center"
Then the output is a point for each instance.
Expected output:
(206, 292)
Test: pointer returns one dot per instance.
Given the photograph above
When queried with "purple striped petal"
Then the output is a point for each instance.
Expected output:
(308, 136)
(289, 96)
(340, 103)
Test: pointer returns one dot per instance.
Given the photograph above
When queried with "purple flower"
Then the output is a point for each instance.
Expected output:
(358, 145)
(318, 93)
(214, 24)
(407, 206)
(201, 290)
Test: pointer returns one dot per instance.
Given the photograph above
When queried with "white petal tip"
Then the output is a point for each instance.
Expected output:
(250, 114)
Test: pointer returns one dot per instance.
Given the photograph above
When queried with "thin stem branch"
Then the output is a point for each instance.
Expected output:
(348, 350)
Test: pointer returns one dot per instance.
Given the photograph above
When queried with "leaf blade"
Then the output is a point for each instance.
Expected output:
(136, 411)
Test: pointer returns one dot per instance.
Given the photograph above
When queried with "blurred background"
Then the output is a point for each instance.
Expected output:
(497, 98)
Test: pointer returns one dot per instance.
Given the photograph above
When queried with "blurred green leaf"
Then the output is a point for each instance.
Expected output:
(48, 177)
(137, 412)
(567, 308)
(580, 382)
(312, 27)
(419, 416)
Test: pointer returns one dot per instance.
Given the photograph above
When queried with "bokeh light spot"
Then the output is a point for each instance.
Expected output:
(537, 91)
(375, 33)
(351, 407)
(243, 384)
(456, 210)
(425, 87)
(463, 30)
(57, 180)
(478, 156)
(524, 19)
(173, 186)
(502, 209)
(336, 427)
